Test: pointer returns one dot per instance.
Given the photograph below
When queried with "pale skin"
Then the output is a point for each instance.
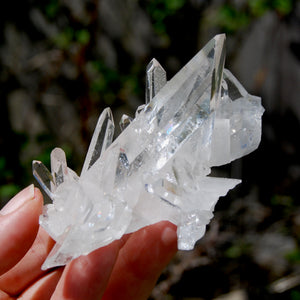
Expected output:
(126, 269)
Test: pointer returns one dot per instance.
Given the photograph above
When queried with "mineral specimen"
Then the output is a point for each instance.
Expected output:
(158, 167)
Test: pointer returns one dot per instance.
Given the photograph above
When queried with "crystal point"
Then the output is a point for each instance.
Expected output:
(102, 138)
(159, 167)
(156, 78)
(43, 177)
(124, 121)
(59, 167)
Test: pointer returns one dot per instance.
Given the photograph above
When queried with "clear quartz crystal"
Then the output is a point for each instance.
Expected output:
(156, 78)
(125, 121)
(43, 177)
(159, 167)
(102, 138)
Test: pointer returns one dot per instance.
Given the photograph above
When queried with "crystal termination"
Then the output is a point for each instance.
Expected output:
(158, 167)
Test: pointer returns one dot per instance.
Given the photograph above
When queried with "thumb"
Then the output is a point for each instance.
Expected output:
(19, 226)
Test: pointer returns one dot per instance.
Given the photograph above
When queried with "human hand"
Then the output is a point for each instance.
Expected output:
(125, 269)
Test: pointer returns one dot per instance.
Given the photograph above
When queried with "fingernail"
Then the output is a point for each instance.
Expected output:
(169, 236)
(17, 201)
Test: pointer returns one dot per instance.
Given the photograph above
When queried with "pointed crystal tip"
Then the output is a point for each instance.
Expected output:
(124, 121)
(43, 176)
(156, 78)
(101, 140)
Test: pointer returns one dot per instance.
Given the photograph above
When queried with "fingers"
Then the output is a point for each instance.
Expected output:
(87, 276)
(43, 288)
(4, 296)
(136, 269)
(28, 269)
(140, 262)
(19, 226)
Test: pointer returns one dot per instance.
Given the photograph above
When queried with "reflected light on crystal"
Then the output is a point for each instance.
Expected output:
(161, 162)
(149, 188)
(171, 127)
(169, 130)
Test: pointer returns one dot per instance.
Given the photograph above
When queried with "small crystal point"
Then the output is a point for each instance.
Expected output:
(59, 167)
(217, 75)
(156, 78)
(58, 158)
(101, 140)
(43, 177)
(139, 109)
(124, 121)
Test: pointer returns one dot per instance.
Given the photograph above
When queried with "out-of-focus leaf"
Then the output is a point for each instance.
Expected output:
(160, 10)
(52, 9)
(83, 36)
(8, 190)
(258, 7)
(283, 6)
(2, 164)
(64, 38)
(293, 257)
(231, 20)
(295, 295)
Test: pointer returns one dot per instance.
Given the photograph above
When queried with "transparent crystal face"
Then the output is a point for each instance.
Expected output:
(158, 167)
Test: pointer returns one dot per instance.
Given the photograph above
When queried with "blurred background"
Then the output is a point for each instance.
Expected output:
(62, 62)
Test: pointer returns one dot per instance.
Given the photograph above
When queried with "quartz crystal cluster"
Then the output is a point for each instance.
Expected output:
(159, 167)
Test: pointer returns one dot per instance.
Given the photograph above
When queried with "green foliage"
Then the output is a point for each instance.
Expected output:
(159, 10)
(131, 84)
(260, 7)
(233, 252)
(295, 295)
(52, 9)
(2, 164)
(238, 249)
(8, 190)
(282, 200)
(284, 206)
(293, 256)
(284, 7)
(5, 173)
(105, 79)
(64, 39)
(111, 84)
(82, 36)
(231, 19)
